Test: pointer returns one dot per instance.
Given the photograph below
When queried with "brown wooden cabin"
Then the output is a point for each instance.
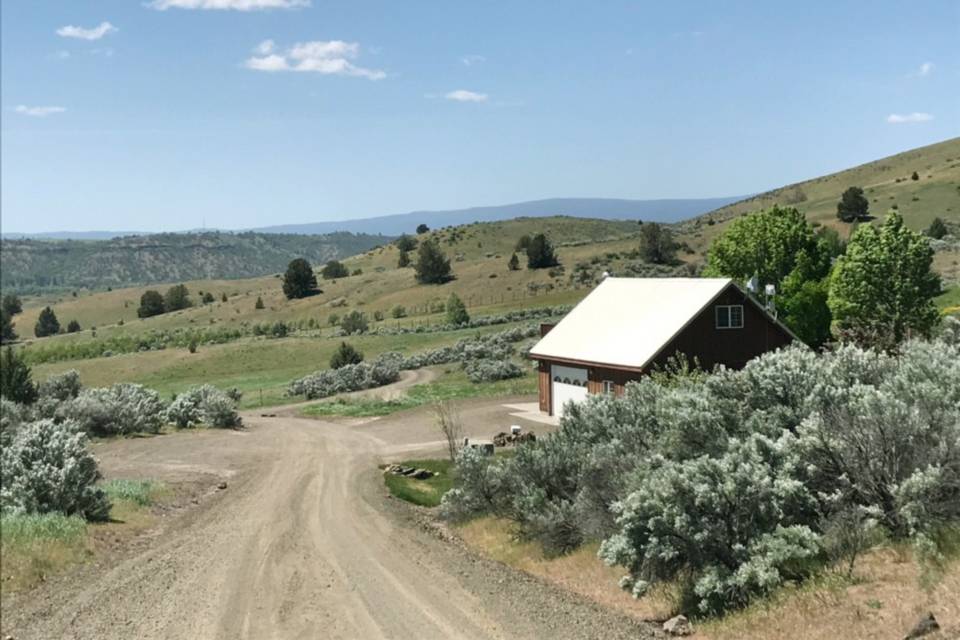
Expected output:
(627, 326)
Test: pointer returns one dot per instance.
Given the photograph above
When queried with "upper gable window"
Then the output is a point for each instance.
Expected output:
(729, 316)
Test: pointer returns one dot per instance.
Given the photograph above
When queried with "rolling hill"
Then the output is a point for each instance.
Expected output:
(34, 265)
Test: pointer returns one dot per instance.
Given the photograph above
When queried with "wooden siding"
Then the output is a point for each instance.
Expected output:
(544, 384)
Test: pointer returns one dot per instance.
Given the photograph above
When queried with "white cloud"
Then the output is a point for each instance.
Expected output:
(95, 33)
(235, 5)
(926, 68)
(327, 57)
(901, 118)
(473, 59)
(38, 112)
(462, 95)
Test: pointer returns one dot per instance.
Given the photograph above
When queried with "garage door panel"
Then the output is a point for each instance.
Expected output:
(568, 384)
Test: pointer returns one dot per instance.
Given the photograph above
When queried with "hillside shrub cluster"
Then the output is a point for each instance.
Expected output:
(733, 483)
(119, 409)
(484, 355)
(205, 404)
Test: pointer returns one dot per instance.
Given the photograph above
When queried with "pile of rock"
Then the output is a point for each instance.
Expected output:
(410, 472)
(509, 439)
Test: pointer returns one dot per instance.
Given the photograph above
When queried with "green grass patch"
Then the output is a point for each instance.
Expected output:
(142, 493)
(949, 300)
(38, 545)
(426, 493)
(452, 386)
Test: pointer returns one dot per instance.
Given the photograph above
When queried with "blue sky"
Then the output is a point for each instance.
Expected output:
(171, 114)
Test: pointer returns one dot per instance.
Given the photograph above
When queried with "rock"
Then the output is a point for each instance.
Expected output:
(678, 626)
(222, 485)
(926, 624)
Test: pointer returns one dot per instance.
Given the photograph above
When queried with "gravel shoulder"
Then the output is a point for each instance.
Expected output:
(303, 543)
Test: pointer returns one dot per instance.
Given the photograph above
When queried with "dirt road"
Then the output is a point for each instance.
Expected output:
(303, 543)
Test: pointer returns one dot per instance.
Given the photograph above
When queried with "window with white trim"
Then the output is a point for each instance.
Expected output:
(608, 386)
(729, 316)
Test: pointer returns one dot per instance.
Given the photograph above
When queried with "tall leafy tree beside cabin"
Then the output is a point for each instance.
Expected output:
(151, 304)
(882, 289)
(47, 324)
(299, 281)
(540, 253)
(433, 266)
(779, 247)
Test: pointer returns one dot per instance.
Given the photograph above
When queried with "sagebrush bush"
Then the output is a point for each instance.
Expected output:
(116, 410)
(351, 377)
(734, 482)
(48, 468)
(489, 370)
(205, 404)
(61, 386)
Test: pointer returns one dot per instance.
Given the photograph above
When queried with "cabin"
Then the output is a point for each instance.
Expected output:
(626, 327)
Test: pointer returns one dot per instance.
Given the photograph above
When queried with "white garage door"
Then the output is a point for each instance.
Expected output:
(568, 384)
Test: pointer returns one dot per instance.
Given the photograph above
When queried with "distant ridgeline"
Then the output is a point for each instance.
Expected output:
(35, 265)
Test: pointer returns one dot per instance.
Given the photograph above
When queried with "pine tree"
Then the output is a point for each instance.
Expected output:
(656, 244)
(178, 297)
(7, 333)
(344, 355)
(540, 254)
(73, 326)
(299, 281)
(259, 304)
(433, 266)
(514, 264)
(853, 205)
(15, 382)
(11, 304)
(456, 311)
(151, 304)
(47, 324)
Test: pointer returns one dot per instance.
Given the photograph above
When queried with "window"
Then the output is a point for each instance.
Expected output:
(608, 386)
(729, 316)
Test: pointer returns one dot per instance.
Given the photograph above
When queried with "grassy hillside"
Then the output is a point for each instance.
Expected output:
(887, 184)
(479, 255)
(34, 265)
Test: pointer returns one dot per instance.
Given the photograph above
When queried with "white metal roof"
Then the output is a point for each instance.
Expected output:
(626, 321)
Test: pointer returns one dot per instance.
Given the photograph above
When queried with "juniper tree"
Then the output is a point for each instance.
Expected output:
(433, 266)
(299, 281)
(151, 304)
(47, 324)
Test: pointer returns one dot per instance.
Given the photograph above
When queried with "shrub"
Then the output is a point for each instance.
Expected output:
(177, 297)
(73, 326)
(151, 304)
(351, 377)
(344, 355)
(399, 311)
(354, 322)
(48, 468)
(334, 269)
(12, 417)
(378, 315)
(61, 386)
(121, 409)
(259, 303)
(487, 370)
(205, 404)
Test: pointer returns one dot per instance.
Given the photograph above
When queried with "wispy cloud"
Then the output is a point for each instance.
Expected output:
(228, 5)
(907, 118)
(462, 95)
(95, 33)
(327, 57)
(38, 112)
(472, 59)
(926, 69)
